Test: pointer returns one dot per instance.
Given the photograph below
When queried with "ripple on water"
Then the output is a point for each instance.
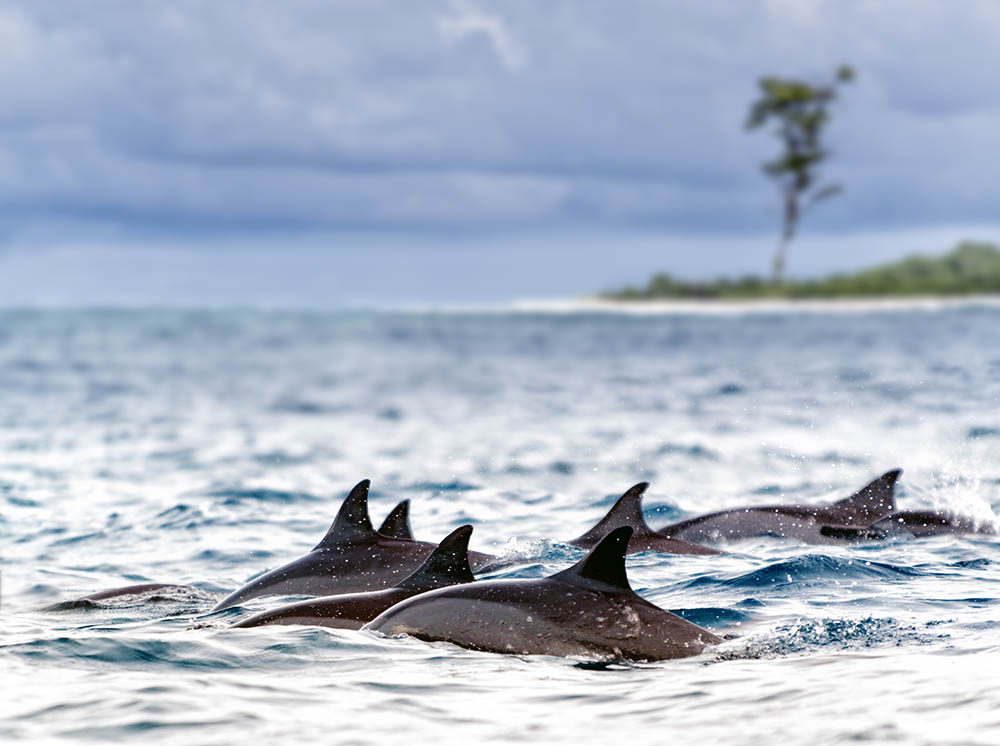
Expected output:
(809, 570)
(713, 617)
(181, 516)
(221, 650)
(810, 635)
(22, 502)
(694, 450)
(262, 495)
(445, 487)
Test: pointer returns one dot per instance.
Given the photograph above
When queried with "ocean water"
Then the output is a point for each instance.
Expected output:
(205, 447)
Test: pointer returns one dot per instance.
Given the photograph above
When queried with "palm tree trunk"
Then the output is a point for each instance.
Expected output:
(790, 218)
(778, 267)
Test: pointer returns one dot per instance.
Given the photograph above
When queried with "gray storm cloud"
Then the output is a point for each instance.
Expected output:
(444, 116)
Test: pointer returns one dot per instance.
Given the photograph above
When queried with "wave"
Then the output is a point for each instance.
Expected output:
(264, 495)
(817, 634)
(713, 616)
(807, 570)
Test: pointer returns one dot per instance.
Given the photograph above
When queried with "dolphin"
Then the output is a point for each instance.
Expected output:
(133, 590)
(351, 558)
(588, 611)
(628, 512)
(397, 523)
(150, 592)
(803, 522)
(447, 565)
(912, 523)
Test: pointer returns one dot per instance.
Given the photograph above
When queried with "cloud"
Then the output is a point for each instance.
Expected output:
(466, 21)
(311, 115)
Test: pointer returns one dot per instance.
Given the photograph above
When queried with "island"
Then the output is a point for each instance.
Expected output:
(970, 268)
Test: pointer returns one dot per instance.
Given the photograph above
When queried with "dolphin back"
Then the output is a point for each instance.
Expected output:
(448, 564)
(352, 524)
(397, 523)
(604, 564)
(352, 557)
(627, 511)
(872, 502)
(587, 610)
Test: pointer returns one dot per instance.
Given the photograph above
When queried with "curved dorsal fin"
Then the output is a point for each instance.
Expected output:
(448, 564)
(603, 564)
(627, 511)
(352, 524)
(873, 501)
(397, 523)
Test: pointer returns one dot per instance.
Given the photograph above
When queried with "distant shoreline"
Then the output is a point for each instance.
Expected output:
(552, 306)
(969, 269)
(738, 306)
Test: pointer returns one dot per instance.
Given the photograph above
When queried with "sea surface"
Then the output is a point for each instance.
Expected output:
(205, 447)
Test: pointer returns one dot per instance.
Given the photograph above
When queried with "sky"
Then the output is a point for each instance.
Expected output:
(340, 152)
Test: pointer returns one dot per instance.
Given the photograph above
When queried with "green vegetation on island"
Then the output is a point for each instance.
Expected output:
(969, 268)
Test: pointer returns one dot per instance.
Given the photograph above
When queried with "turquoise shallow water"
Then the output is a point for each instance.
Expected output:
(205, 447)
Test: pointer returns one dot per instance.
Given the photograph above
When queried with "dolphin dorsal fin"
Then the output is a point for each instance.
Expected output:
(448, 564)
(604, 564)
(627, 511)
(872, 502)
(352, 524)
(397, 523)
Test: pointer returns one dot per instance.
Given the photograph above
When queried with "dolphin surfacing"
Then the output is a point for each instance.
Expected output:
(587, 611)
(871, 503)
(140, 589)
(913, 524)
(447, 565)
(353, 557)
(627, 511)
(397, 523)
(140, 592)
(397, 526)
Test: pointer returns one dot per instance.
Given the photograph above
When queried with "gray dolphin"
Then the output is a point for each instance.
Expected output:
(871, 503)
(447, 565)
(139, 589)
(627, 511)
(397, 523)
(133, 590)
(588, 611)
(912, 523)
(138, 593)
(351, 558)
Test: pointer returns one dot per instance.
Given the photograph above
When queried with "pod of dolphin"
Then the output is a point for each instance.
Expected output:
(387, 581)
